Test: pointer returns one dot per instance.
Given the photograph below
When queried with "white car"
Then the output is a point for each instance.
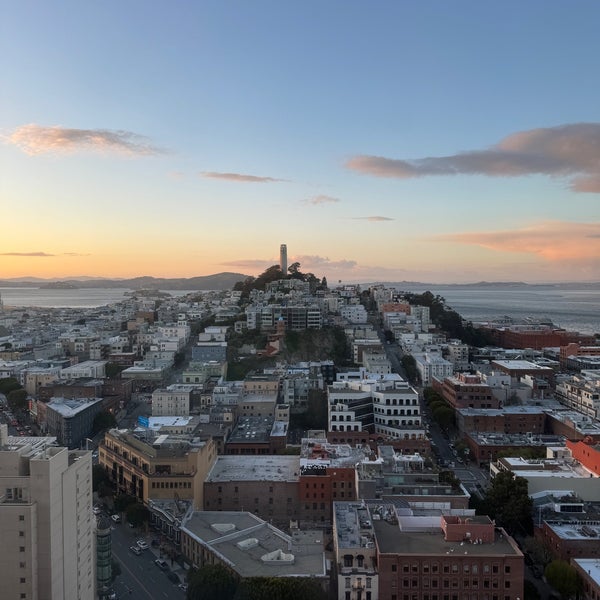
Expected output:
(135, 550)
(97, 510)
(142, 545)
(116, 518)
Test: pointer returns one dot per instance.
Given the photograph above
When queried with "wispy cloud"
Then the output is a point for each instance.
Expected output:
(238, 177)
(554, 241)
(320, 200)
(373, 219)
(250, 263)
(314, 261)
(569, 150)
(37, 139)
(307, 262)
(41, 254)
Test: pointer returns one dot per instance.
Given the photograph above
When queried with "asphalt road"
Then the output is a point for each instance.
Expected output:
(140, 578)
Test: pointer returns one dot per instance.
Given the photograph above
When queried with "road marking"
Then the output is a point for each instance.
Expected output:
(124, 566)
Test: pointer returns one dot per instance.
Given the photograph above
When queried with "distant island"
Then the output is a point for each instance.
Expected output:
(59, 285)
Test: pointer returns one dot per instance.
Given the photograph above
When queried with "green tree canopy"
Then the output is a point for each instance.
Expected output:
(9, 384)
(113, 370)
(563, 578)
(102, 421)
(137, 514)
(211, 582)
(276, 588)
(17, 400)
(99, 477)
(122, 501)
(507, 501)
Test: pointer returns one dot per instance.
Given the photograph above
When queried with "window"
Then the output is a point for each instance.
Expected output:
(394, 568)
(21, 517)
(21, 548)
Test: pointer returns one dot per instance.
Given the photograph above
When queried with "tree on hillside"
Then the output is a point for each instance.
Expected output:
(507, 501)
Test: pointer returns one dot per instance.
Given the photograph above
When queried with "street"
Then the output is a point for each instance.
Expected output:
(140, 577)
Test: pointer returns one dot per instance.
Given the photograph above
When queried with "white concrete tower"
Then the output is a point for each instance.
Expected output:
(283, 258)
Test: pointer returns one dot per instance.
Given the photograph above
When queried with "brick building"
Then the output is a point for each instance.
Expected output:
(466, 391)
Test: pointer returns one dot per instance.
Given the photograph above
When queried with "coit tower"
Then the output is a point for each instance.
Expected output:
(283, 258)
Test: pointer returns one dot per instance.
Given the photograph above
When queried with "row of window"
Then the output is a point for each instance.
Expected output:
(454, 568)
(171, 485)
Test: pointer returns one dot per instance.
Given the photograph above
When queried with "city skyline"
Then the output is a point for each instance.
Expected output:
(397, 141)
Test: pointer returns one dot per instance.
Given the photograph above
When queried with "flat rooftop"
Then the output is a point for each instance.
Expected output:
(576, 530)
(253, 548)
(591, 566)
(391, 540)
(253, 468)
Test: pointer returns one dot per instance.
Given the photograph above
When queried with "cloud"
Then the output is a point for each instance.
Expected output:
(250, 263)
(307, 262)
(36, 139)
(311, 261)
(553, 241)
(238, 177)
(320, 200)
(373, 219)
(569, 150)
(41, 254)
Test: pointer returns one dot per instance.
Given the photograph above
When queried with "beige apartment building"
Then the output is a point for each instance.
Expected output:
(46, 521)
(157, 466)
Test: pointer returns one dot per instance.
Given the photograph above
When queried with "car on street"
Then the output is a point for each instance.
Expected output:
(116, 518)
(183, 586)
(135, 550)
(97, 510)
(161, 564)
(142, 545)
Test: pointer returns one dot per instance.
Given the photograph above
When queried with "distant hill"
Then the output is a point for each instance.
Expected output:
(218, 281)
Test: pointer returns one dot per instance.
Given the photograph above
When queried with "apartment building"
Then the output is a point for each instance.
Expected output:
(46, 521)
(150, 465)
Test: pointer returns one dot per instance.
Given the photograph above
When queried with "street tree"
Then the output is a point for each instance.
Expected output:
(17, 400)
(211, 582)
(507, 501)
(563, 578)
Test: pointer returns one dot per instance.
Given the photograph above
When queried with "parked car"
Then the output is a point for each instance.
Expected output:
(135, 550)
(183, 586)
(161, 564)
(142, 545)
(97, 510)
(116, 518)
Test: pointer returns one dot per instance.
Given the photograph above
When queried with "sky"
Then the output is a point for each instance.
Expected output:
(394, 140)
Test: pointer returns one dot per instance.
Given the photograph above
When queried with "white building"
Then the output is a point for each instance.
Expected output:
(432, 365)
(172, 401)
(355, 313)
(46, 521)
(94, 369)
